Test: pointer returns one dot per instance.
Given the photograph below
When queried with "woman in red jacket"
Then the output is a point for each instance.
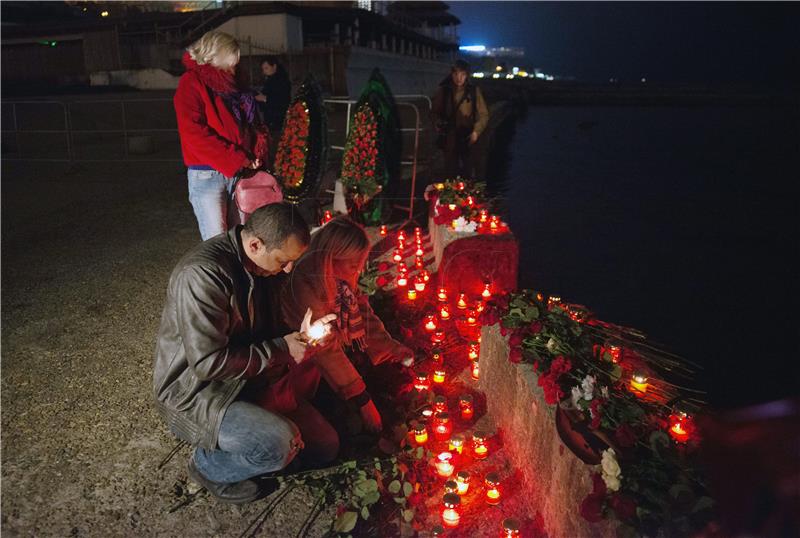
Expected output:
(217, 131)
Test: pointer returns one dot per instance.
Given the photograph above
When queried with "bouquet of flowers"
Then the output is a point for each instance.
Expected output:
(290, 159)
(359, 165)
(458, 198)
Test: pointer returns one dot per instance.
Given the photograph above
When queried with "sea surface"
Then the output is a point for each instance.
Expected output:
(679, 221)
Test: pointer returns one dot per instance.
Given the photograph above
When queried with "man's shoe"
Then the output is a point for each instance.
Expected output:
(235, 493)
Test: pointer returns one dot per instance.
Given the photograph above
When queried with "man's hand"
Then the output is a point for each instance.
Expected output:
(473, 137)
(371, 417)
(297, 346)
(316, 333)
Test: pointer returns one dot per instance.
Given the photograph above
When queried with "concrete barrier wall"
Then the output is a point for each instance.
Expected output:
(554, 479)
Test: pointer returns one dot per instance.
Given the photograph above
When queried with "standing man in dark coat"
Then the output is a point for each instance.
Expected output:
(460, 116)
(221, 342)
(274, 98)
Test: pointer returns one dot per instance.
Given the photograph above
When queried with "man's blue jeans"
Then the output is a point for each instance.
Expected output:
(253, 441)
(211, 195)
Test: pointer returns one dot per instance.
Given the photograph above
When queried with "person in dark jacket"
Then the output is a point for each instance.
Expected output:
(274, 98)
(222, 342)
(460, 116)
(219, 130)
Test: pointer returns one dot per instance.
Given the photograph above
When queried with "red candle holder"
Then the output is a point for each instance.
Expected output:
(456, 443)
(511, 527)
(437, 337)
(493, 494)
(462, 301)
(681, 426)
(475, 371)
(419, 283)
(442, 427)
(402, 280)
(430, 322)
(401, 267)
(426, 276)
(444, 312)
(472, 318)
(466, 406)
(461, 185)
(417, 231)
(462, 479)
(419, 251)
(398, 255)
(615, 352)
(441, 295)
(401, 235)
(437, 355)
(444, 464)
(422, 381)
(451, 486)
(470, 201)
(451, 515)
(552, 301)
(479, 448)
(473, 351)
(484, 216)
(439, 404)
(419, 263)
(487, 292)
(383, 231)
(327, 218)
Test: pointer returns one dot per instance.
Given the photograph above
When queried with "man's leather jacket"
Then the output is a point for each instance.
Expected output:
(217, 331)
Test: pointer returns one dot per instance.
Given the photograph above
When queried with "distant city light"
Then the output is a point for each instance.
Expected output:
(104, 13)
(477, 74)
(473, 48)
(496, 75)
(644, 80)
(515, 70)
(509, 76)
(498, 68)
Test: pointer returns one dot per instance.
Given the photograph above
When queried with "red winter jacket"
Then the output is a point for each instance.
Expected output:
(210, 134)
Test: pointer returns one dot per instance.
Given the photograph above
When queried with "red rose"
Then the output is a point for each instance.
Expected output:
(516, 339)
(515, 355)
(624, 507)
(381, 281)
(592, 508)
(536, 327)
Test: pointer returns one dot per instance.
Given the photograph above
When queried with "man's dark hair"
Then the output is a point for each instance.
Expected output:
(461, 65)
(270, 59)
(274, 223)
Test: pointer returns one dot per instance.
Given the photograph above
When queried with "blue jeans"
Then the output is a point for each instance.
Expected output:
(253, 441)
(211, 195)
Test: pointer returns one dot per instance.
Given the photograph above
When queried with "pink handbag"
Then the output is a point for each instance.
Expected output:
(257, 190)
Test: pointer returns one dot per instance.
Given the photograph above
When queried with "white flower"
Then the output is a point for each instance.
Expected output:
(463, 225)
(576, 396)
(551, 344)
(611, 471)
(588, 387)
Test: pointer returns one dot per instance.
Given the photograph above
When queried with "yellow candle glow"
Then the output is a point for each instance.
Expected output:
(450, 515)
(456, 443)
(419, 263)
(444, 464)
(486, 293)
(511, 527)
(462, 479)
(438, 376)
(383, 230)
(479, 448)
(419, 284)
(419, 251)
(639, 382)
(398, 256)
(421, 381)
(412, 294)
(492, 489)
(444, 312)
(484, 216)
(402, 280)
(421, 434)
(476, 370)
(472, 318)
(430, 323)
(474, 351)
(426, 276)
(465, 403)
(442, 295)
(462, 301)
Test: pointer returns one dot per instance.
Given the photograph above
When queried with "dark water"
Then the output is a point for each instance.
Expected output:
(680, 221)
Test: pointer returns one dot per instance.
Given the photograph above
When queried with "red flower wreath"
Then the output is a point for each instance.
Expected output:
(290, 160)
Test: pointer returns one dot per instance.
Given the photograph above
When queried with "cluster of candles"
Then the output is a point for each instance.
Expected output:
(454, 489)
(419, 283)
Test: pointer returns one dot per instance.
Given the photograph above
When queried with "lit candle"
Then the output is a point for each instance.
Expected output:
(479, 448)
(419, 251)
(398, 255)
(430, 322)
(615, 352)
(451, 207)
(511, 527)
(401, 244)
(328, 217)
(442, 426)
(465, 403)
(462, 301)
(383, 230)
(417, 231)
(472, 318)
(438, 336)
(494, 223)
(438, 375)
(412, 294)
(474, 351)
(401, 267)
(419, 283)
(420, 434)
(462, 479)
(442, 295)
(444, 312)
(401, 235)
(553, 300)
(402, 280)
(456, 443)
(450, 513)
(317, 331)
(470, 201)
(439, 403)
(421, 381)
(678, 426)
(426, 276)
(484, 216)
(419, 263)
(444, 464)
(426, 413)
(639, 383)
(492, 489)
(476, 370)
(487, 292)
(451, 486)
(436, 355)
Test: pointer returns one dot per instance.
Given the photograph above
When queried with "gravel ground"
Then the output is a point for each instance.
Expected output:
(86, 254)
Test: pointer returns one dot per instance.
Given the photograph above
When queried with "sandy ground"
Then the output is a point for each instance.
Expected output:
(86, 253)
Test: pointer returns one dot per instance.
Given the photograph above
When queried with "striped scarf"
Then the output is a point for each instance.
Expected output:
(350, 322)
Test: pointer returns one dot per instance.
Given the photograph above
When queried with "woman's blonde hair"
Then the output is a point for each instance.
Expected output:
(216, 48)
(339, 239)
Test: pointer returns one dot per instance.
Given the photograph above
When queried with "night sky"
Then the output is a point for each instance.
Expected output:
(719, 42)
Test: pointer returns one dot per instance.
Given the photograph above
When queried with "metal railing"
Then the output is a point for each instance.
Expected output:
(64, 124)
(401, 101)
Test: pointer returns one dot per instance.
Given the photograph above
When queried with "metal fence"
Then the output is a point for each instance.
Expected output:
(90, 130)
